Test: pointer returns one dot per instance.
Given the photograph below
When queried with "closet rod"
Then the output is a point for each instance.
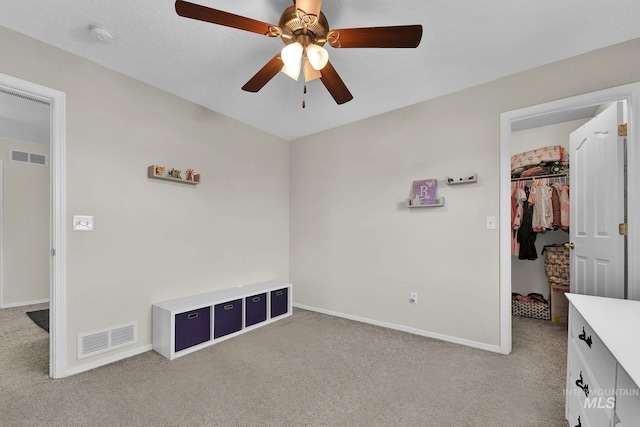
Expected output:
(531, 178)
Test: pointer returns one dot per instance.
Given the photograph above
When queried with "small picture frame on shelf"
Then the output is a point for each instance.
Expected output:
(424, 192)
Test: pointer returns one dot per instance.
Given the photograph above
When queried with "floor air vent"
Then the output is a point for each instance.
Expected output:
(98, 342)
(31, 158)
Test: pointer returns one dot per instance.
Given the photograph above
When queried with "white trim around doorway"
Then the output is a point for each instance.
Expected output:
(58, 292)
(630, 93)
(1, 234)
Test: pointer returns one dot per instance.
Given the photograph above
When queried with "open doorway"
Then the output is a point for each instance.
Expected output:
(25, 204)
(24, 147)
(540, 261)
(55, 245)
(628, 93)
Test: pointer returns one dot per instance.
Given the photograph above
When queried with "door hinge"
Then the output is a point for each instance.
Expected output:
(53, 252)
(622, 129)
(623, 228)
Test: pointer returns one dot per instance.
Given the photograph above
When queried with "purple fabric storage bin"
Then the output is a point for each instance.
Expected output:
(192, 328)
(255, 309)
(279, 302)
(227, 318)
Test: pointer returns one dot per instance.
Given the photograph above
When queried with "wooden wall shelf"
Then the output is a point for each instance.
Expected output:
(152, 174)
(439, 203)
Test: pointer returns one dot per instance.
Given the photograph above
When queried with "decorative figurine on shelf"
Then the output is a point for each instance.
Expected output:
(159, 170)
(189, 174)
(175, 173)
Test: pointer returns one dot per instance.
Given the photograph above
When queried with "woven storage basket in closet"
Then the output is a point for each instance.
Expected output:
(556, 264)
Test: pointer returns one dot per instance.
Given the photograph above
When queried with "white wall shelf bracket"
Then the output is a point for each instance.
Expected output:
(463, 180)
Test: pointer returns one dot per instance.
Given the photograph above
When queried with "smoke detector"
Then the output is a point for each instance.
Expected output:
(102, 34)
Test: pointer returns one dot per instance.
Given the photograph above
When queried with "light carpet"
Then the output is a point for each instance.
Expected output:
(306, 370)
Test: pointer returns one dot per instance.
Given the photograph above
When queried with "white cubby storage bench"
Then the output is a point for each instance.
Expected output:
(184, 325)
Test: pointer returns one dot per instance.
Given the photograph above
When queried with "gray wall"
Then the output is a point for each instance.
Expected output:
(357, 251)
(155, 240)
(326, 210)
(26, 235)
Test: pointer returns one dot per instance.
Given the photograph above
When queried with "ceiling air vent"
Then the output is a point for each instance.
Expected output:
(97, 342)
(25, 157)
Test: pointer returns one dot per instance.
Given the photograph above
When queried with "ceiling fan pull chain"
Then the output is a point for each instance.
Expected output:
(304, 91)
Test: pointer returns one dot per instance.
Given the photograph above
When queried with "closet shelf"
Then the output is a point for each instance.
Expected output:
(531, 178)
(439, 203)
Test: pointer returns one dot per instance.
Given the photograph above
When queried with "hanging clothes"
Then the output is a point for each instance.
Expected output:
(542, 207)
(555, 206)
(526, 235)
(564, 207)
(542, 213)
(518, 198)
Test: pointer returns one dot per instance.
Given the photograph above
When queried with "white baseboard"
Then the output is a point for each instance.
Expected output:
(107, 360)
(428, 334)
(20, 304)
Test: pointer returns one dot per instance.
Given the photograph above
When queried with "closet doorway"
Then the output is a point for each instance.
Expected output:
(545, 114)
(56, 243)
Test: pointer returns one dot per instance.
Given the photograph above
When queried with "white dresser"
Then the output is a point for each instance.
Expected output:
(603, 362)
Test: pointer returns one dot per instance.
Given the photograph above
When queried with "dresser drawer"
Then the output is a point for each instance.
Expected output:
(627, 400)
(597, 410)
(574, 413)
(596, 355)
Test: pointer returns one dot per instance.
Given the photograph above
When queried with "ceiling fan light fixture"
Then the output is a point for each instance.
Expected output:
(310, 73)
(292, 54)
(292, 71)
(317, 56)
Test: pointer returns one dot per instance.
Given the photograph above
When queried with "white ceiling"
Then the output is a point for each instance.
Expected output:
(464, 43)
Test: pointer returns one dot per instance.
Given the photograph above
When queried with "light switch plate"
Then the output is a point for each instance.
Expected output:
(491, 223)
(82, 223)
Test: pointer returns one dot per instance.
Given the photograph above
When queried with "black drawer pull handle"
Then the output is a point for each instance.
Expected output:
(228, 307)
(579, 422)
(279, 293)
(583, 337)
(255, 299)
(584, 387)
(192, 316)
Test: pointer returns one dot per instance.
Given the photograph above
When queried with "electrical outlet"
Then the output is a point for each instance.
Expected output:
(413, 297)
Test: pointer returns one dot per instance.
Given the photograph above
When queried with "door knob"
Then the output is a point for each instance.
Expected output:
(570, 245)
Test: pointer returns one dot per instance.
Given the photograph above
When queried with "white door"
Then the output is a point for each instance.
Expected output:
(597, 206)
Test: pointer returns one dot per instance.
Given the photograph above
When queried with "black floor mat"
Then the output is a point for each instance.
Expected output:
(41, 317)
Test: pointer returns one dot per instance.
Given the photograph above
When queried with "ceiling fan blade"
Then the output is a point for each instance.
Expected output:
(335, 85)
(310, 7)
(398, 36)
(265, 74)
(215, 16)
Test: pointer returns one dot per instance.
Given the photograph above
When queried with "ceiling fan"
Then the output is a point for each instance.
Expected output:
(304, 30)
